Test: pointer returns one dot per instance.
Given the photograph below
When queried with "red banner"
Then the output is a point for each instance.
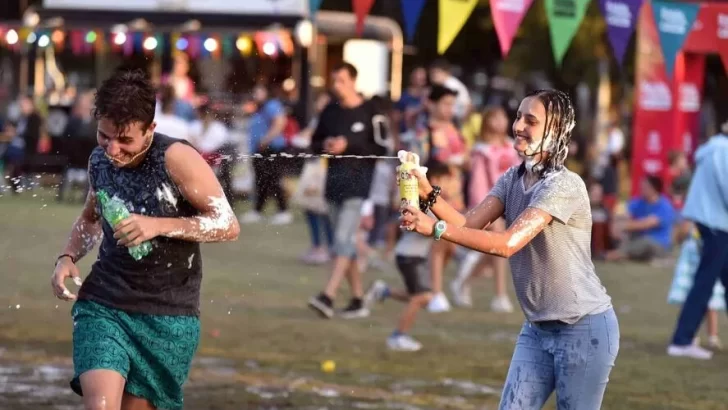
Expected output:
(689, 83)
(720, 19)
(666, 110)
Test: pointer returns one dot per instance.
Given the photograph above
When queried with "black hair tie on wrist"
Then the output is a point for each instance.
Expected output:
(431, 199)
(66, 255)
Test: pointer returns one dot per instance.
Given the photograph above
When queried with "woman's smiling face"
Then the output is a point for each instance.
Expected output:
(528, 131)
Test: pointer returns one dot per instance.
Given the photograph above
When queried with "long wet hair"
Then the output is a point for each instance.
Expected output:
(560, 121)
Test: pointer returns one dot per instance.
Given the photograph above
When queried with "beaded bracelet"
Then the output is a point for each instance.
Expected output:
(431, 199)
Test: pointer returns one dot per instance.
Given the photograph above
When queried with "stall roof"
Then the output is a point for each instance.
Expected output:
(162, 20)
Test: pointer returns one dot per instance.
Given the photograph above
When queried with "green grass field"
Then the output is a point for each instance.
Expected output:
(262, 347)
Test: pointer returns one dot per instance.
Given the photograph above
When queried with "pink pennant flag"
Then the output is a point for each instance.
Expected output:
(507, 17)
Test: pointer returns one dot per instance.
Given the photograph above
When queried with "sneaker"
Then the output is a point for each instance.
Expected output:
(375, 293)
(501, 304)
(403, 343)
(315, 257)
(250, 217)
(461, 294)
(323, 305)
(714, 343)
(438, 304)
(691, 351)
(281, 218)
(355, 310)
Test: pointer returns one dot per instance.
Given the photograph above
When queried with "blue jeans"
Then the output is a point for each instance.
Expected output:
(575, 360)
(316, 224)
(713, 266)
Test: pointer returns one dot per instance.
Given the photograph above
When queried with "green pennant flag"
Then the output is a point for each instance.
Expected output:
(564, 17)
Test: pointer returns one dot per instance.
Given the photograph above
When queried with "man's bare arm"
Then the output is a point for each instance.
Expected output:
(198, 184)
(86, 231)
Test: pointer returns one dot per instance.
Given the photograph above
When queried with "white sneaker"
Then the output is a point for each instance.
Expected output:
(250, 217)
(281, 218)
(501, 304)
(403, 343)
(692, 351)
(375, 293)
(438, 304)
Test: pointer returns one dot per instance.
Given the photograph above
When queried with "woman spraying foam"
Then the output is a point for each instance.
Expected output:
(570, 340)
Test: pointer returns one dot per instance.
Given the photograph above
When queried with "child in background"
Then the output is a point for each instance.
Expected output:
(412, 256)
(682, 282)
(439, 139)
(493, 154)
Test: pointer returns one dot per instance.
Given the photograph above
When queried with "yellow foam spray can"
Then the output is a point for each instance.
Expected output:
(409, 193)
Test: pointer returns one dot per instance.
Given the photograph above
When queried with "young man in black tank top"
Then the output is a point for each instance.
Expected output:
(136, 322)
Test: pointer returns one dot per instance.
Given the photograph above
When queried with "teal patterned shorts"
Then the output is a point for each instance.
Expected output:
(153, 353)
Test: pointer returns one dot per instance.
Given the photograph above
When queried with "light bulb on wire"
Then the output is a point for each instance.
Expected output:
(210, 45)
(44, 41)
(150, 43)
(120, 38)
(11, 37)
(269, 48)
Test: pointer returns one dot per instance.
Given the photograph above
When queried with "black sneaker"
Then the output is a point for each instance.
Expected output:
(355, 310)
(323, 305)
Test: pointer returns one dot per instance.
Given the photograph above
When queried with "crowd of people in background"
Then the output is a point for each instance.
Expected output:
(351, 205)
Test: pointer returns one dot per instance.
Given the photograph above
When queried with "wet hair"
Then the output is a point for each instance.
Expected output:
(655, 182)
(126, 97)
(438, 92)
(560, 121)
(348, 67)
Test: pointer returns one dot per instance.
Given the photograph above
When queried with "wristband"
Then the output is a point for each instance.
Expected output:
(439, 230)
(66, 255)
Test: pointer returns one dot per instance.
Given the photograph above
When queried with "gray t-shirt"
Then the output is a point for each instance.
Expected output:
(553, 275)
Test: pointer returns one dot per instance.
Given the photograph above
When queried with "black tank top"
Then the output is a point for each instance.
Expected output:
(165, 282)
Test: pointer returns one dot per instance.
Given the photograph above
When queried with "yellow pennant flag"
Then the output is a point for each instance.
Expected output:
(453, 15)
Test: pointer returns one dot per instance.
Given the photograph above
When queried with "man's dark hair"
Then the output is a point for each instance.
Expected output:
(353, 72)
(438, 92)
(126, 97)
(655, 182)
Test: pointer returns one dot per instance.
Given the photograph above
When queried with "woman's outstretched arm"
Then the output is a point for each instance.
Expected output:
(529, 224)
(478, 218)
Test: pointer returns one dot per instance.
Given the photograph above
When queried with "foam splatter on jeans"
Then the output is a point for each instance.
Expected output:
(575, 360)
